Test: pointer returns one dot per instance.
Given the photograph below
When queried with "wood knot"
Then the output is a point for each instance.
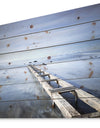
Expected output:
(25, 72)
(10, 106)
(25, 38)
(7, 77)
(31, 26)
(90, 63)
(8, 45)
(93, 37)
(47, 32)
(37, 97)
(9, 63)
(78, 17)
(81, 86)
(0, 86)
(93, 23)
(49, 57)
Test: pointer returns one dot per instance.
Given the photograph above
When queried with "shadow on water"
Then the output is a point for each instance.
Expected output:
(81, 107)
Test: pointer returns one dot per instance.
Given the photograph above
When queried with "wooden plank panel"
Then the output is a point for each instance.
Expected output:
(57, 20)
(75, 69)
(67, 110)
(29, 109)
(5, 107)
(15, 76)
(89, 83)
(67, 70)
(23, 76)
(18, 92)
(61, 36)
(77, 51)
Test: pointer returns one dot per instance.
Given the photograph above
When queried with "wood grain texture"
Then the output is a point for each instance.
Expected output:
(84, 96)
(28, 109)
(66, 70)
(53, 21)
(77, 51)
(68, 42)
(61, 36)
(21, 92)
(15, 76)
(91, 84)
(75, 69)
(67, 110)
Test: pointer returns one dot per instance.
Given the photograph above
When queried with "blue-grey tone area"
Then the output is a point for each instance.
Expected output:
(65, 44)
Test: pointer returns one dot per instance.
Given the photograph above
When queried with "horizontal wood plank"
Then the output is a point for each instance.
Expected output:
(28, 109)
(15, 76)
(61, 36)
(52, 21)
(74, 70)
(22, 92)
(77, 51)
(91, 84)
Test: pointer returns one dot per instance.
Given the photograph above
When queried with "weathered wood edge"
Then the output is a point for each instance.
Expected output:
(90, 115)
(61, 19)
(67, 110)
(82, 95)
(61, 36)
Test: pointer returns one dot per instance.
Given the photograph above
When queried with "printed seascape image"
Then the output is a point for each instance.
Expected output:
(50, 66)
